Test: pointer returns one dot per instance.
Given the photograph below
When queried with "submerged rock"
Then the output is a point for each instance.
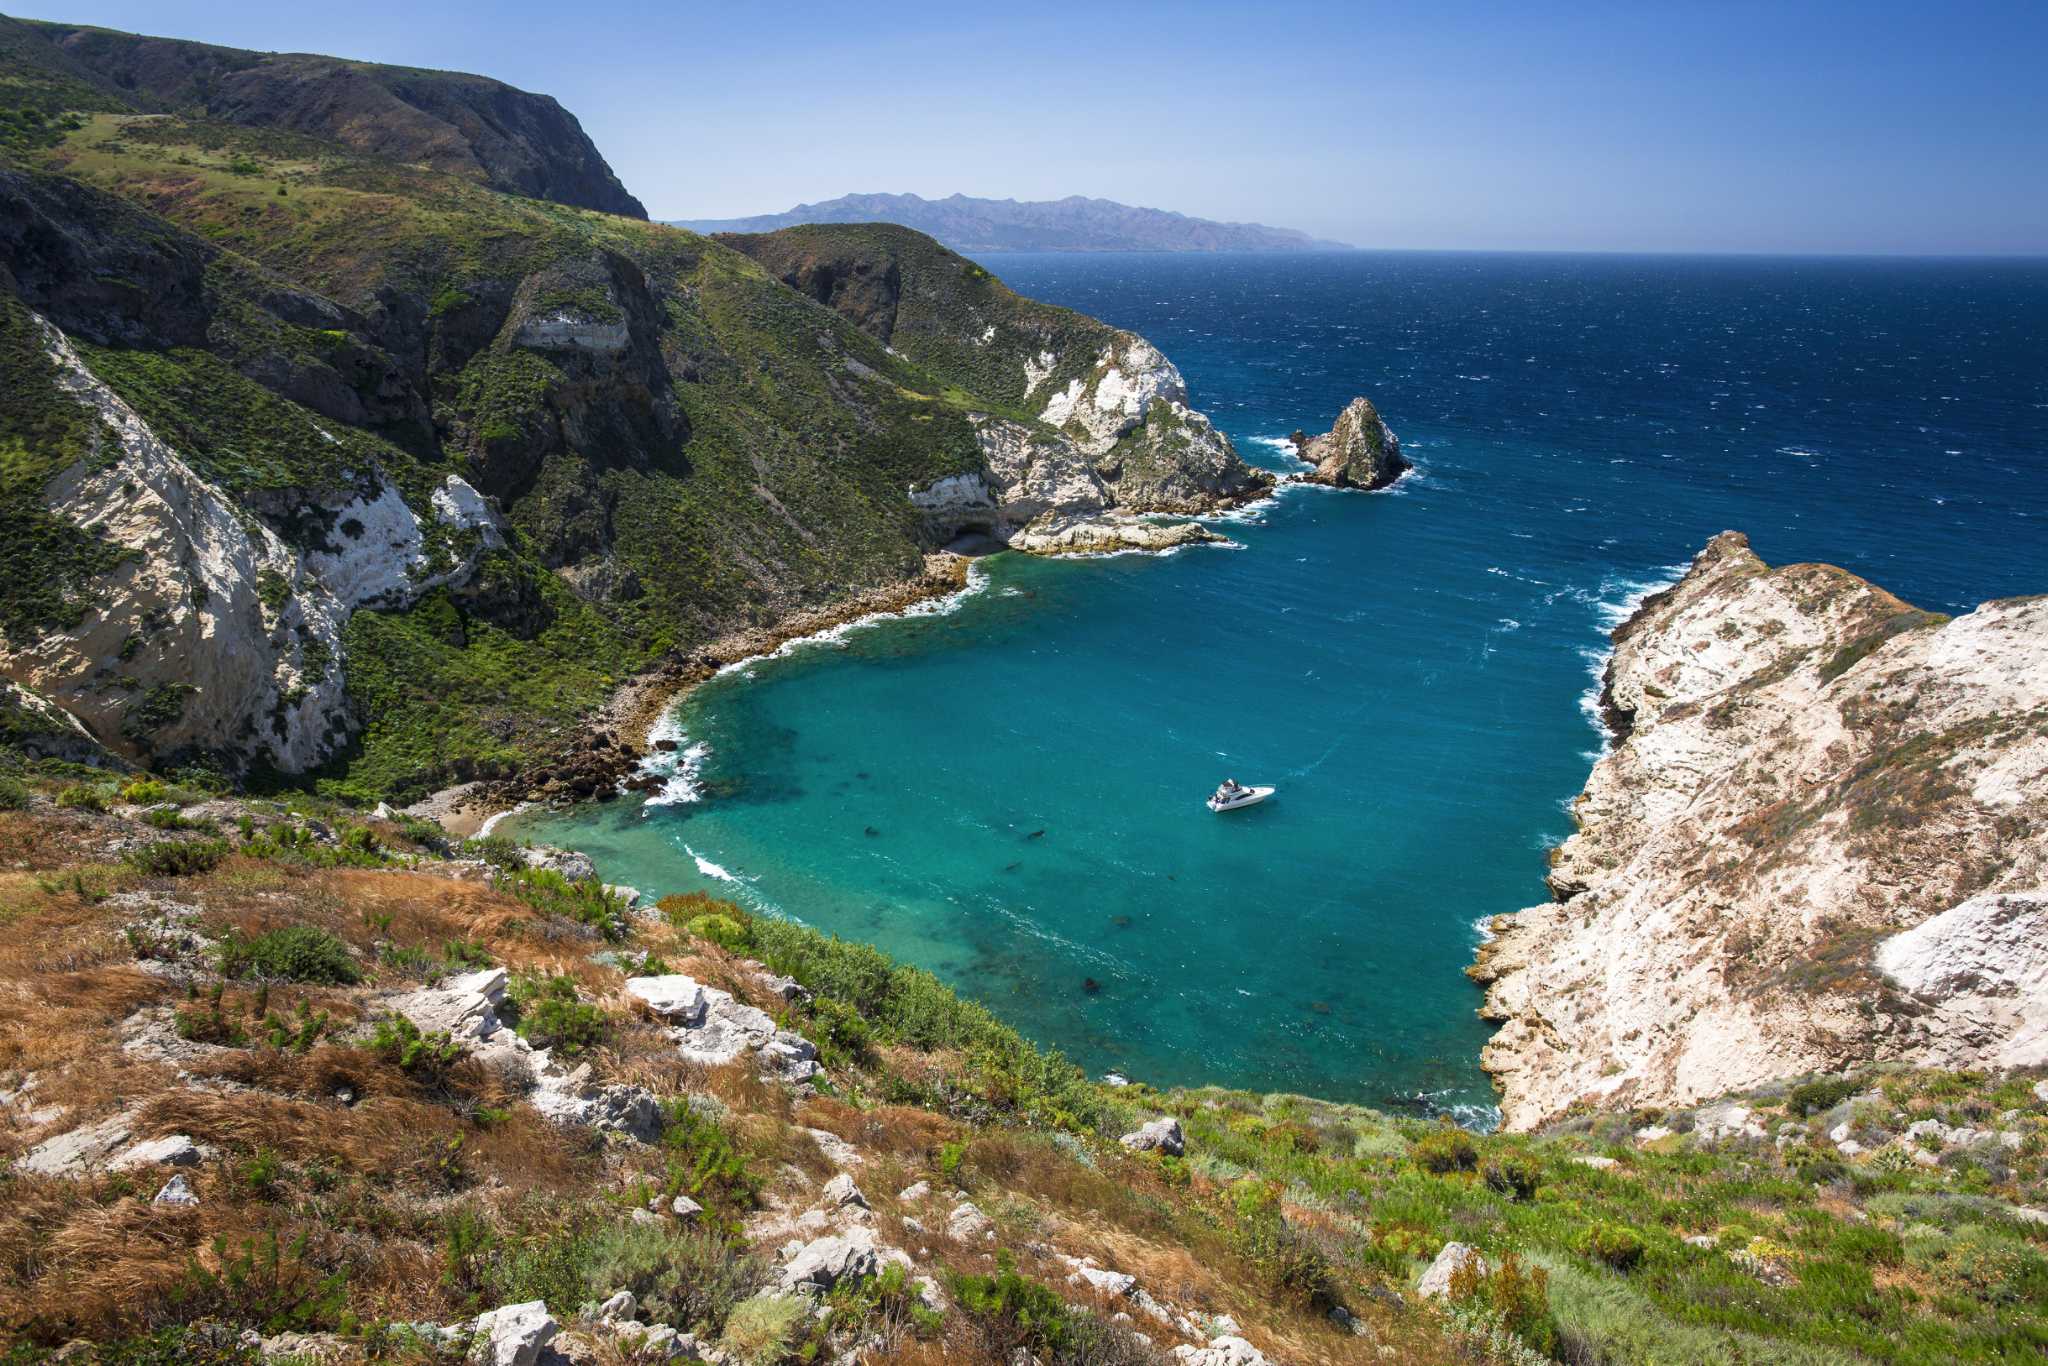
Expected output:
(1359, 452)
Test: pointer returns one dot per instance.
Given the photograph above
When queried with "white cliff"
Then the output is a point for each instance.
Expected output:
(1819, 841)
(213, 632)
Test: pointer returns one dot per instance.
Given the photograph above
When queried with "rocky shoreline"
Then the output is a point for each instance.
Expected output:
(608, 749)
(1818, 840)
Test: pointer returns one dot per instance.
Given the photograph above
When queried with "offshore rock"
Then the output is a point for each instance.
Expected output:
(1818, 841)
(1359, 452)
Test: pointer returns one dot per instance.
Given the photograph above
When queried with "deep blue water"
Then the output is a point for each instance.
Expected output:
(1411, 668)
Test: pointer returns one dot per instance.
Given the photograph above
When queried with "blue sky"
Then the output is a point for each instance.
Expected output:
(1877, 126)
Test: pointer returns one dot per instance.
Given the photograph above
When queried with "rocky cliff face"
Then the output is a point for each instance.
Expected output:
(1821, 839)
(337, 462)
(1096, 420)
(465, 125)
(1359, 452)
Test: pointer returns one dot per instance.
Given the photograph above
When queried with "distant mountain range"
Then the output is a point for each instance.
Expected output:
(1071, 224)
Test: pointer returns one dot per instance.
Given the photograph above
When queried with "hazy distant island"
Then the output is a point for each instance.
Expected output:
(1075, 223)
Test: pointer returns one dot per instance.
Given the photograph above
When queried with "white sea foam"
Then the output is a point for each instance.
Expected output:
(977, 580)
(710, 869)
(491, 823)
(1614, 601)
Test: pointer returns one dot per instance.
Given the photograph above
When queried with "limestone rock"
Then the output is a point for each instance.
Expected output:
(172, 1150)
(1983, 964)
(1161, 1135)
(200, 585)
(675, 998)
(513, 1335)
(176, 1191)
(967, 1223)
(572, 864)
(1803, 767)
(79, 1150)
(1225, 1350)
(1455, 1257)
(1109, 536)
(840, 1192)
(824, 1262)
(1359, 452)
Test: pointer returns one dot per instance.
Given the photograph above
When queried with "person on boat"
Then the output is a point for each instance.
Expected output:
(1229, 789)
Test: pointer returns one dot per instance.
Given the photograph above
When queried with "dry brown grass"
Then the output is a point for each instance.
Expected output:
(909, 1135)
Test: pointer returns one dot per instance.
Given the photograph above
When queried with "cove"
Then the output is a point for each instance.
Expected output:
(1009, 792)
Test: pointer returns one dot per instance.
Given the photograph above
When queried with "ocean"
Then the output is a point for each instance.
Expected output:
(1007, 789)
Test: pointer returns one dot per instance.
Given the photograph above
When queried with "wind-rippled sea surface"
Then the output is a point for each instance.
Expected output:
(1010, 792)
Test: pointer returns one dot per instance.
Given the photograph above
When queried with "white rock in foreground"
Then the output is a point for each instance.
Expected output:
(513, 1335)
(1161, 1135)
(1455, 1257)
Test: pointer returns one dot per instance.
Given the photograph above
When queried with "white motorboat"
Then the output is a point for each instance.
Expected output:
(1231, 796)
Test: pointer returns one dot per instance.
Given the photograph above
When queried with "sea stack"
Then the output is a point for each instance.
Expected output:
(1359, 452)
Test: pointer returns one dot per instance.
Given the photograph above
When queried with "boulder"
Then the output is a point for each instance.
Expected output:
(683, 1207)
(572, 865)
(675, 998)
(513, 1335)
(824, 1262)
(967, 1223)
(79, 1150)
(1161, 1135)
(1455, 1257)
(841, 1192)
(619, 1308)
(1108, 1282)
(1224, 1350)
(914, 1192)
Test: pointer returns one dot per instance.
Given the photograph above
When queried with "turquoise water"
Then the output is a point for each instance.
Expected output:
(1009, 792)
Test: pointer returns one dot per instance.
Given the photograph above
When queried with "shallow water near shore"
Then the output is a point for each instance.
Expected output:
(1009, 792)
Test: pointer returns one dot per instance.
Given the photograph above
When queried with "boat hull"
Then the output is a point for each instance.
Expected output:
(1253, 796)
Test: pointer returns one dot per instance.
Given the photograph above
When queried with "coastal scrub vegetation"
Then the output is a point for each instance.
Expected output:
(436, 1191)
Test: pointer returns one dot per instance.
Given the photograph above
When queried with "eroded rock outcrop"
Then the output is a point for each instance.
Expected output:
(211, 631)
(1360, 451)
(1820, 839)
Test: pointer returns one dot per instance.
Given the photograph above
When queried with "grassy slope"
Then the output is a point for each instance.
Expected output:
(945, 305)
(436, 1195)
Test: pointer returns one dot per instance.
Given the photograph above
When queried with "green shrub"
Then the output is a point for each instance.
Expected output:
(586, 902)
(295, 953)
(723, 930)
(1515, 1177)
(1288, 1263)
(762, 1330)
(1617, 1245)
(500, 851)
(427, 1057)
(207, 1020)
(688, 1277)
(701, 1160)
(143, 792)
(14, 793)
(83, 797)
(1445, 1151)
(1517, 1297)
(548, 1013)
(1983, 1264)
(1813, 1097)
(177, 858)
(1006, 1312)
(264, 1284)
